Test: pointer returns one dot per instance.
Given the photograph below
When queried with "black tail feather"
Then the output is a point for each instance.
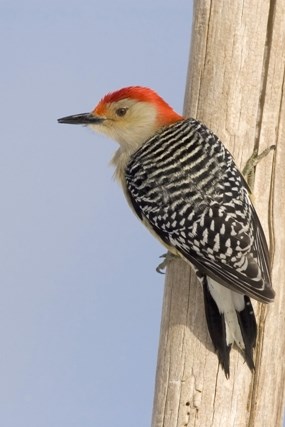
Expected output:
(248, 327)
(217, 330)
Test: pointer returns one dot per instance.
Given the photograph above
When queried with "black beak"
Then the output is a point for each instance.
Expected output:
(81, 119)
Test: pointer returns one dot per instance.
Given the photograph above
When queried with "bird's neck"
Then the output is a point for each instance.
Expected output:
(130, 140)
(119, 161)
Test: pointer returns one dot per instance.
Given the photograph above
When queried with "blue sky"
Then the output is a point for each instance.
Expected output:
(80, 298)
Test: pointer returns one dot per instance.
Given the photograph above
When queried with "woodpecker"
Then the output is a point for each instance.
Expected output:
(184, 186)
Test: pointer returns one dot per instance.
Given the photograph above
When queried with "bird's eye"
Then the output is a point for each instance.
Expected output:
(121, 111)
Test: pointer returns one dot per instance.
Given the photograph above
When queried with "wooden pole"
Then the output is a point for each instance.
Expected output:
(236, 86)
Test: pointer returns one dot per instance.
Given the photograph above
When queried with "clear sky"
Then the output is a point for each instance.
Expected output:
(80, 298)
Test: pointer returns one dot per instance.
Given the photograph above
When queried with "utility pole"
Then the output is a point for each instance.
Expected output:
(236, 86)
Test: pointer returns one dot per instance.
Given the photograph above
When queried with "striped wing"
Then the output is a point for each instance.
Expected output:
(185, 186)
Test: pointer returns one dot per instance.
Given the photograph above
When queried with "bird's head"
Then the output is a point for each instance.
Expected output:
(130, 116)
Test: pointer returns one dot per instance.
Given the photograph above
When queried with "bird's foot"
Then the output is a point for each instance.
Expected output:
(168, 257)
(249, 169)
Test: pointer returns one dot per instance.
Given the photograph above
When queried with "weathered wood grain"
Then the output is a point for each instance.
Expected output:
(235, 85)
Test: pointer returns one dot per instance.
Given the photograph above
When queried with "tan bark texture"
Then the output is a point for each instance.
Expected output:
(236, 86)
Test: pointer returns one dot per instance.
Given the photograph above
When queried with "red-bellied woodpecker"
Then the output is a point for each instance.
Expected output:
(186, 189)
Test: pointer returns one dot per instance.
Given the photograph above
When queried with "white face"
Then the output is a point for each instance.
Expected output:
(127, 121)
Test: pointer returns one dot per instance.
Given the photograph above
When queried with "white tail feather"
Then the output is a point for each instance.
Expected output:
(228, 303)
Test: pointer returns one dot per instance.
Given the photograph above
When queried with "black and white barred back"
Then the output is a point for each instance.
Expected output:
(186, 186)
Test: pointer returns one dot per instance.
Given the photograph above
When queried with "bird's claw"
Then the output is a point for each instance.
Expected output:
(167, 258)
(248, 170)
(162, 265)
